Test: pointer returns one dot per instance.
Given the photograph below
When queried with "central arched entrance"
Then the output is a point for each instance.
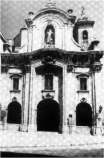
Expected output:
(83, 114)
(48, 116)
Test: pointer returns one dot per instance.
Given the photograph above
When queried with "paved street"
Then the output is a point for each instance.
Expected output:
(48, 144)
(95, 153)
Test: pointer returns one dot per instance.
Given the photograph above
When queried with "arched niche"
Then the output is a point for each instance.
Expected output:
(49, 34)
(85, 35)
(83, 114)
(14, 112)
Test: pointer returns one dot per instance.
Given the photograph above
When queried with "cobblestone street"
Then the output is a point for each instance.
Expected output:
(51, 144)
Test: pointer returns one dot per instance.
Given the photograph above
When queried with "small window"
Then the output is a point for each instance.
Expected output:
(48, 82)
(15, 83)
(85, 35)
(83, 83)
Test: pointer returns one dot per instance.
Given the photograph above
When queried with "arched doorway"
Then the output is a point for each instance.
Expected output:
(14, 113)
(48, 116)
(83, 114)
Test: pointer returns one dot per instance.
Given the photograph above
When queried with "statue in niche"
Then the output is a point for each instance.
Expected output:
(2, 116)
(50, 35)
(100, 119)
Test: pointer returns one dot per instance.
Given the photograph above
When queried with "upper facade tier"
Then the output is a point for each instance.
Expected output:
(54, 28)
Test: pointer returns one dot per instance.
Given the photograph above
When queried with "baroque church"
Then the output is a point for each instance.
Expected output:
(52, 74)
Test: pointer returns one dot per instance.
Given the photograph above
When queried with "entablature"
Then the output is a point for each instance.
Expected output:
(71, 58)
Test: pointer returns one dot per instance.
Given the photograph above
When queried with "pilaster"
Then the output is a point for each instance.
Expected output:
(25, 102)
(0, 66)
(65, 33)
(95, 68)
(30, 39)
(32, 112)
(65, 127)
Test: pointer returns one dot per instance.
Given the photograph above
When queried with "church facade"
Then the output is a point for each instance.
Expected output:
(52, 77)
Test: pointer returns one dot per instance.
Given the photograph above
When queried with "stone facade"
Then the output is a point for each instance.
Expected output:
(55, 63)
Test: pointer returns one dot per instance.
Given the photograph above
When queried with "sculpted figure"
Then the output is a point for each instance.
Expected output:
(100, 119)
(49, 37)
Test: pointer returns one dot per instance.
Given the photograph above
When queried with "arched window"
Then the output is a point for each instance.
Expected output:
(50, 35)
(14, 112)
(85, 35)
(85, 39)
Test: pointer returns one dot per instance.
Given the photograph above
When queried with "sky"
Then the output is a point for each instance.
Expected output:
(13, 13)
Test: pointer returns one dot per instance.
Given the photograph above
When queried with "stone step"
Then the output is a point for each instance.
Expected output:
(82, 130)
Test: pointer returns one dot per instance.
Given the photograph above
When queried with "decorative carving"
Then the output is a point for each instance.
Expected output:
(82, 11)
(96, 66)
(48, 94)
(14, 99)
(70, 65)
(50, 4)
(70, 11)
(83, 100)
(48, 60)
(69, 68)
(83, 14)
(29, 20)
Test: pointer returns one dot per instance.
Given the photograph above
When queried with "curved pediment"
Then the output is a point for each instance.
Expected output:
(52, 27)
(55, 11)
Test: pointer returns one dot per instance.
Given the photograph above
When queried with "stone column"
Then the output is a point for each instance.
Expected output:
(96, 67)
(93, 103)
(32, 103)
(34, 106)
(30, 39)
(67, 69)
(36, 38)
(35, 119)
(32, 113)
(25, 102)
(65, 128)
(0, 65)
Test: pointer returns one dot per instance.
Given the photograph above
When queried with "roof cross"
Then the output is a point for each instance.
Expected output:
(82, 11)
(50, 4)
